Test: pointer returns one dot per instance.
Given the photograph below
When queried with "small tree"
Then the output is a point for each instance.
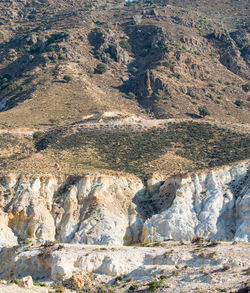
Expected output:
(239, 103)
(67, 78)
(204, 111)
(125, 45)
(101, 68)
(246, 87)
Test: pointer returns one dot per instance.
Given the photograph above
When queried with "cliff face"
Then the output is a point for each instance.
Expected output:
(214, 204)
(115, 210)
(88, 209)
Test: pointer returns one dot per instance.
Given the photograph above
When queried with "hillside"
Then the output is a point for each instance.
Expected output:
(162, 60)
(124, 146)
(62, 61)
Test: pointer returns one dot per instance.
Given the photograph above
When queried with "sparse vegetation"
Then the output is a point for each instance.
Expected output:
(125, 44)
(204, 111)
(101, 68)
(156, 284)
(160, 66)
(239, 103)
(132, 95)
(67, 78)
(203, 144)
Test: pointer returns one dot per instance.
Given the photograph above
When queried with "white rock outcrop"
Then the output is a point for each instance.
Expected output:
(91, 209)
(7, 237)
(115, 210)
(61, 262)
(213, 205)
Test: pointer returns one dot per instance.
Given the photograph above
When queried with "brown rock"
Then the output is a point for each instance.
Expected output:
(27, 282)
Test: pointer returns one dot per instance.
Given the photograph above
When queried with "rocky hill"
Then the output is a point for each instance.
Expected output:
(160, 59)
(124, 146)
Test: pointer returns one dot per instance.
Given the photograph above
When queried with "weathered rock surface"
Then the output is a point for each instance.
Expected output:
(7, 237)
(213, 205)
(15, 288)
(185, 266)
(114, 210)
(89, 209)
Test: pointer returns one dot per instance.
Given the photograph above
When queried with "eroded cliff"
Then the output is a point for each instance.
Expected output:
(117, 210)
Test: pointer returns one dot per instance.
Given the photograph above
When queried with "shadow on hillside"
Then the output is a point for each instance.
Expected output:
(148, 49)
(194, 116)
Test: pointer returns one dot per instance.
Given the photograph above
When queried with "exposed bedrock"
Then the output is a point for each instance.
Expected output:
(213, 205)
(116, 210)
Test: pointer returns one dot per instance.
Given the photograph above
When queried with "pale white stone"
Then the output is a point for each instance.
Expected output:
(205, 205)
(7, 237)
(100, 209)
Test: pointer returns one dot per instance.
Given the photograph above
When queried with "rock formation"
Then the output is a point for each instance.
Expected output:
(115, 210)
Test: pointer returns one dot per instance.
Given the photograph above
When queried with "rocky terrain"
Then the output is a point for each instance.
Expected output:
(172, 267)
(116, 211)
(64, 60)
(124, 146)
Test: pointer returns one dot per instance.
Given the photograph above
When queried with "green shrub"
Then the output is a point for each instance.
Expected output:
(58, 37)
(6, 77)
(134, 70)
(4, 85)
(154, 285)
(15, 281)
(101, 68)
(67, 78)
(91, 73)
(133, 288)
(209, 96)
(31, 16)
(125, 45)
(37, 135)
(204, 111)
(197, 53)
(13, 86)
(246, 87)
(132, 95)
(177, 75)
(239, 103)
(39, 284)
(156, 96)
(58, 288)
(166, 63)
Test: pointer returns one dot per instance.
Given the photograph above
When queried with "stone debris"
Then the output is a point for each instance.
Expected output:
(27, 282)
